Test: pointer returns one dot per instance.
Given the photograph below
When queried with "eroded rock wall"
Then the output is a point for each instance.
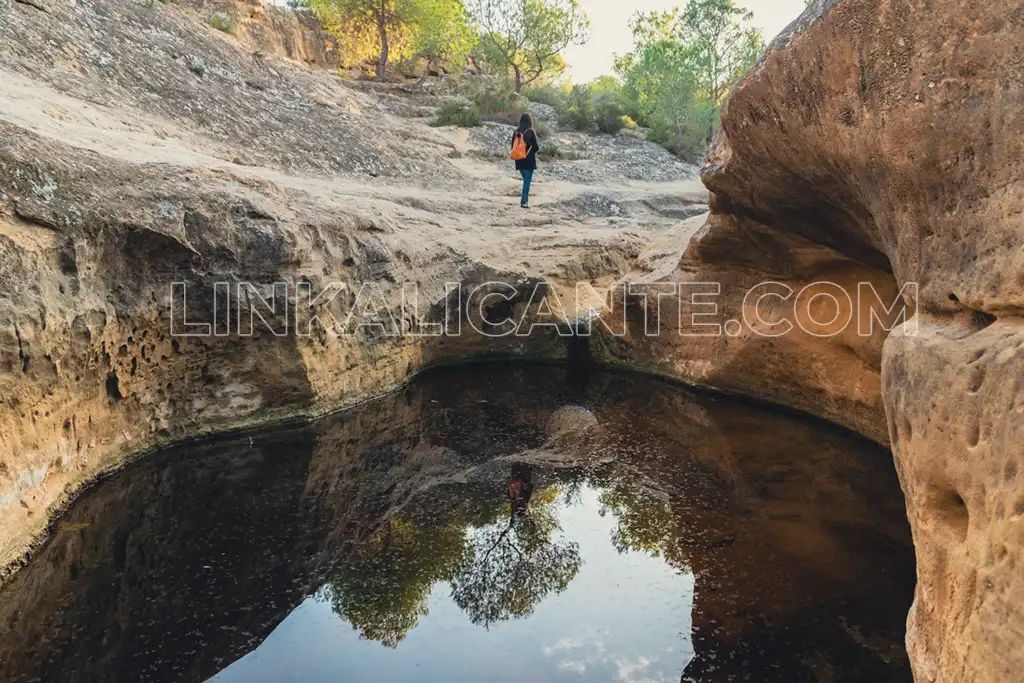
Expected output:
(892, 133)
(877, 141)
(703, 320)
(92, 370)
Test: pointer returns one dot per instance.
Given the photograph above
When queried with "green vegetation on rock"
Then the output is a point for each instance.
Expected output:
(506, 54)
(458, 113)
(222, 22)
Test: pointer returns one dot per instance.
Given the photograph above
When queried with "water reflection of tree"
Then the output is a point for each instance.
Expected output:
(499, 565)
(643, 521)
(515, 564)
(383, 591)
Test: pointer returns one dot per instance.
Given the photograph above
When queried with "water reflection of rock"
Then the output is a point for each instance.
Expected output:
(148, 578)
(793, 530)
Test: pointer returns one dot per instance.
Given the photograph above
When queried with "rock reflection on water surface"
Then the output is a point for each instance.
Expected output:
(488, 523)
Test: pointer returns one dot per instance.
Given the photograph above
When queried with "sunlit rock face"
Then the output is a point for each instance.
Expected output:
(893, 133)
(876, 142)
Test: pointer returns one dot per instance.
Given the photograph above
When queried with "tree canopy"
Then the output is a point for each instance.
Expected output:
(527, 37)
(499, 566)
(437, 30)
(442, 32)
(682, 66)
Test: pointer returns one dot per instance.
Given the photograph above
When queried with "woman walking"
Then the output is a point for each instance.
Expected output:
(524, 152)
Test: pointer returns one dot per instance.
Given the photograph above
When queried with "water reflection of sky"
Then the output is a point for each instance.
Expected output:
(623, 617)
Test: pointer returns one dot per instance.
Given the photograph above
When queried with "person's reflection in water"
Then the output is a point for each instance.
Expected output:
(519, 487)
(578, 368)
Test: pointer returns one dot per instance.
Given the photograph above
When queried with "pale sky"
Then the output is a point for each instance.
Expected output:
(610, 35)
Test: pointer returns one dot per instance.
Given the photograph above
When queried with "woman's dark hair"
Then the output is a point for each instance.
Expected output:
(525, 122)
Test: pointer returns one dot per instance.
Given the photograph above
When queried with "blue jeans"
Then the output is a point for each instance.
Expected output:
(527, 174)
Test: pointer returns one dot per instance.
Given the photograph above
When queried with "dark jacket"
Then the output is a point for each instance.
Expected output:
(530, 138)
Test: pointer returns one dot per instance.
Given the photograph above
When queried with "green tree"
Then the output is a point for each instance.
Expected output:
(382, 590)
(387, 22)
(720, 44)
(499, 565)
(442, 33)
(526, 37)
(514, 564)
(578, 111)
(682, 66)
(643, 522)
(658, 80)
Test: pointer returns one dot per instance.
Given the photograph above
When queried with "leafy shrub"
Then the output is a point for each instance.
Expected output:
(682, 145)
(684, 142)
(542, 129)
(222, 22)
(546, 94)
(578, 113)
(492, 95)
(552, 149)
(609, 113)
(516, 108)
(576, 118)
(495, 98)
(684, 130)
(458, 113)
(600, 103)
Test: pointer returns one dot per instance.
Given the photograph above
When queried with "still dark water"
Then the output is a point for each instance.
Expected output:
(505, 524)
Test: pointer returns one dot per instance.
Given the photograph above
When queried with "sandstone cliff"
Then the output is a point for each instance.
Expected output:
(890, 135)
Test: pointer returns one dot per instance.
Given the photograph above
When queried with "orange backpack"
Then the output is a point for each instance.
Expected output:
(518, 147)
